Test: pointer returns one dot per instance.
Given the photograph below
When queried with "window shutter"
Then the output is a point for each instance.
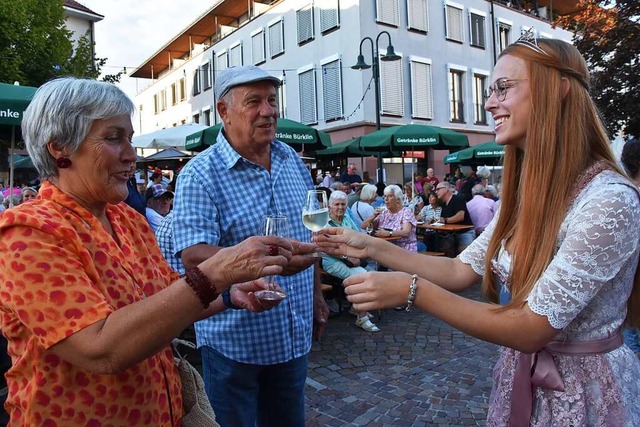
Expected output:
(418, 14)
(222, 62)
(235, 56)
(257, 48)
(307, 82)
(454, 23)
(387, 12)
(305, 23)
(421, 90)
(276, 38)
(206, 76)
(329, 15)
(391, 87)
(332, 90)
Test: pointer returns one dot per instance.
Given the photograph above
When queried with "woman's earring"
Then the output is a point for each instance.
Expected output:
(63, 162)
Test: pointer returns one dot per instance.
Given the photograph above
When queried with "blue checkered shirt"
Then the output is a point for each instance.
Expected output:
(220, 200)
(165, 241)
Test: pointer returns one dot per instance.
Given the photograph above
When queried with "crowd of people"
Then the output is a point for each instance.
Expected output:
(92, 297)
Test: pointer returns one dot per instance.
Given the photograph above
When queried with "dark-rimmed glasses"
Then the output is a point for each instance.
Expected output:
(440, 188)
(500, 88)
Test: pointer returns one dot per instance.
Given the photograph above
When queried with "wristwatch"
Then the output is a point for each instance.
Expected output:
(390, 233)
(344, 257)
(226, 300)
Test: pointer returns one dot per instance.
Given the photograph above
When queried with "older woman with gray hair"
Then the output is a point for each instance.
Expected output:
(362, 208)
(395, 220)
(345, 266)
(89, 305)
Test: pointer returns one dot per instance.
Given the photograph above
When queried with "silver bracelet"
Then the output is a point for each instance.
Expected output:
(413, 287)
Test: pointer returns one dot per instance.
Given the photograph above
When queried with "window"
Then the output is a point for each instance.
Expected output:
(235, 55)
(479, 89)
(307, 93)
(332, 89)
(222, 61)
(276, 38)
(387, 12)
(206, 75)
(163, 99)
(196, 81)
(258, 52)
(477, 32)
(156, 104)
(196, 118)
(418, 15)
(182, 92)
(456, 94)
(391, 87)
(421, 88)
(329, 15)
(504, 35)
(206, 117)
(304, 18)
(174, 94)
(527, 29)
(453, 18)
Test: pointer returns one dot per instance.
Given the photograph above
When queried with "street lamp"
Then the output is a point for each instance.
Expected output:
(362, 65)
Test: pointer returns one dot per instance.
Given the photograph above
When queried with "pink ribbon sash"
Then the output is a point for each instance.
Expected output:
(539, 369)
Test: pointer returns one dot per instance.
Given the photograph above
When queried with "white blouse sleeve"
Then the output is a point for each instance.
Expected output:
(597, 239)
(475, 253)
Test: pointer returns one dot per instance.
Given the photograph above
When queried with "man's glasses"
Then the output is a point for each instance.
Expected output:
(500, 88)
(440, 188)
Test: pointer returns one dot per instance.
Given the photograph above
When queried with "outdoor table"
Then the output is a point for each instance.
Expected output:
(446, 227)
(390, 238)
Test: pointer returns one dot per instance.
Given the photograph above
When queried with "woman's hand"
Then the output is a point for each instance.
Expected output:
(301, 258)
(338, 241)
(381, 233)
(251, 259)
(242, 295)
(376, 290)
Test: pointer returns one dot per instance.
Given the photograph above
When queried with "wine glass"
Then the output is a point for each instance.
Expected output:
(315, 212)
(273, 225)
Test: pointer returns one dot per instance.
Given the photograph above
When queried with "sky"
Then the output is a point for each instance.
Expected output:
(133, 30)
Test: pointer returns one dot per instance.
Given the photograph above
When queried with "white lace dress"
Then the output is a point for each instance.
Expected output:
(583, 293)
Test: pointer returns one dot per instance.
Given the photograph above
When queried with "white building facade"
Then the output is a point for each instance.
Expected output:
(447, 51)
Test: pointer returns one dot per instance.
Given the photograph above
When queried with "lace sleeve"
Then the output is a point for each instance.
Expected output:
(474, 254)
(597, 238)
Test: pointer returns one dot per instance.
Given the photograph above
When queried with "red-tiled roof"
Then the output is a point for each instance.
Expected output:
(75, 5)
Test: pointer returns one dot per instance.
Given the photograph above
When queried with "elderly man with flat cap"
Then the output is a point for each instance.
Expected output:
(254, 366)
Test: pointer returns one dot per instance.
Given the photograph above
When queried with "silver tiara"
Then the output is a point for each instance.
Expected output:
(528, 39)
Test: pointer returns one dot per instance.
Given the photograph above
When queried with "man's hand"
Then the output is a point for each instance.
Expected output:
(301, 258)
(242, 295)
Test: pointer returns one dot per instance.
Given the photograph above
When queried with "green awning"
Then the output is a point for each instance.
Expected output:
(398, 138)
(487, 150)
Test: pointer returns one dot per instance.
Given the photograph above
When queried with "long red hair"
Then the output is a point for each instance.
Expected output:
(564, 137)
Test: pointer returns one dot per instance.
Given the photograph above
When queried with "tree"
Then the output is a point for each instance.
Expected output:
(607, 33)
(36, 46)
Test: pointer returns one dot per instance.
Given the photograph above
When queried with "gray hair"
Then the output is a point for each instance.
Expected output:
(483, 172)
(397, 192)
(63, 111)
(335, 186)
(337, 195)
(477, 189)
(368, 192)
(493, 190)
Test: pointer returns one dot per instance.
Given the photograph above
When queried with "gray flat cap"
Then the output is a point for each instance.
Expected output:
(236, 76)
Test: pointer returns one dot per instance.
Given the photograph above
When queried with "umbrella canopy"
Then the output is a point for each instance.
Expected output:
(402, 137)
(487, 150)
(170, 158)
(350, 147)
(297, 135)
(13, 101)
(173, 137)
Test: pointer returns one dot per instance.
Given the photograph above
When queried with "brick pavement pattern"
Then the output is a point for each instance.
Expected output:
(417, 371)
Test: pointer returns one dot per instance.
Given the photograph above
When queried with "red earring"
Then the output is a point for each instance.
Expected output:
(63, 162)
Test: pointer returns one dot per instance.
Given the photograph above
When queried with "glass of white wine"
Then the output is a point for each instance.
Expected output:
(273, 225)
(315, 212)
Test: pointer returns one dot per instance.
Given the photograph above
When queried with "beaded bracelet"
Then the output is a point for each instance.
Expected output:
(413, 287)
(201, 285)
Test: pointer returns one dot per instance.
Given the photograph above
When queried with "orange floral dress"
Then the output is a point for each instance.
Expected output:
(61, 271)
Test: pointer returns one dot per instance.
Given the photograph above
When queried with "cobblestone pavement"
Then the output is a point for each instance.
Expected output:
(417, 371)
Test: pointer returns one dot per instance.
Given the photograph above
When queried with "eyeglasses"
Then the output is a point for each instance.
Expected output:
(500, 88)
(440, 188)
